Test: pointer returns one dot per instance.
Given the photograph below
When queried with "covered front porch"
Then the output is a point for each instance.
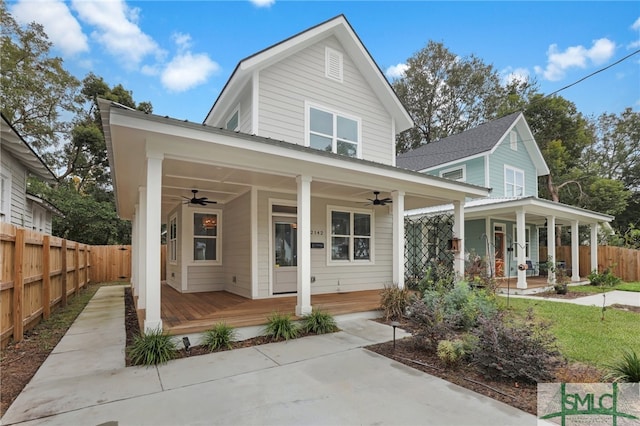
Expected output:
(184, 313)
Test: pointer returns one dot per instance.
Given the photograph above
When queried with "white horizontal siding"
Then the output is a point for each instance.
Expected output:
(236, 246)
(11, 167)
(205, 278)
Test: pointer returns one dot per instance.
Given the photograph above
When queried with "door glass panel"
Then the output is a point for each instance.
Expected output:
(286, 253)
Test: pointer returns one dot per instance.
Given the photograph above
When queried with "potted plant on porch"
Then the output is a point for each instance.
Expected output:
(562, 281)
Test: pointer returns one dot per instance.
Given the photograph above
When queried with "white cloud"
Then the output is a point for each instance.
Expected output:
(396, 71)
(117, 30)
(634, 45)
(61, 26)
(636, 25)
(575, 57)
(186, 70)
(510, 74)
(262, 3)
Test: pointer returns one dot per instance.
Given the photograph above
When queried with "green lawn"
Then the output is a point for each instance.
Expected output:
(632, 286)
(582, 335)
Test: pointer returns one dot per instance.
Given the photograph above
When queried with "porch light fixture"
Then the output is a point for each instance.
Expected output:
(394, 324)
(209, 222)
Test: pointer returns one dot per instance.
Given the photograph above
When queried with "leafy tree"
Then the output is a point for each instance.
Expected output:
(447, 94)
(36, 87)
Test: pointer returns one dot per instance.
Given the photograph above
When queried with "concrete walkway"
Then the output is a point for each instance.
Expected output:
(319, 380)
(609, 298)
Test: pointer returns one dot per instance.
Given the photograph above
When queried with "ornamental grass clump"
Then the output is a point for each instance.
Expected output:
(319, 322)
(626, 369)
(394, 302)
(152, 348)
(281, 326)
(220, 336)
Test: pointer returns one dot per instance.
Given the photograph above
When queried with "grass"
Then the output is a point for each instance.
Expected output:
(594, 289)
(582, 335)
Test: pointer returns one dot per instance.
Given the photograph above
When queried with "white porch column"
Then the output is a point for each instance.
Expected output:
(142, 244)
(397, 198)
(521, 244)
(551, 248)
(458, 232)
(303, 307)
(152, 224)
(575, 252)
(594, 247)
(135, 247)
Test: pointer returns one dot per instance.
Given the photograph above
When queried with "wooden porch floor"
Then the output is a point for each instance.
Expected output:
(532, 282)
(197, 312)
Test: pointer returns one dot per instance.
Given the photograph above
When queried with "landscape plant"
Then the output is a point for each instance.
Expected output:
(152, 348)
(220, 336)
(394, 302)
(625, 369)
(281, 326)
(605, 279)
(319, 322)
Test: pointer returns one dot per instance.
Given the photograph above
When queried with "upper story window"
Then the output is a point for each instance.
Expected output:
(333, 132)
(457, 173)
(333, 64)
(5, 198)
(173, 239)
(513, 182)
(233, 121)
(513, 140)
(351, 235)
(206, 239)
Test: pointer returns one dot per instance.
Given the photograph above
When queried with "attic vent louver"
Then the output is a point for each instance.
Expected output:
(333, 67)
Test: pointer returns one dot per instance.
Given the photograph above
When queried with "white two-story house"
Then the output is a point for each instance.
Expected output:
(300, 140)
(503, 156)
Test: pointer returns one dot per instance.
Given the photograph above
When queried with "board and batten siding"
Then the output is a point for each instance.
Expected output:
(520, 159)
(285, 86)
(236, 246)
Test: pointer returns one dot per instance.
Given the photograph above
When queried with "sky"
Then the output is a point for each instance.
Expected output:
(178, 55)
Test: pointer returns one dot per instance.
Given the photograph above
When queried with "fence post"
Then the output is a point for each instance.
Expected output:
(46, 277)
(63, 301)
(76, 272)
(18, 285)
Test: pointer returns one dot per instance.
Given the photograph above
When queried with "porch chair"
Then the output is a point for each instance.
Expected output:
(530, 268)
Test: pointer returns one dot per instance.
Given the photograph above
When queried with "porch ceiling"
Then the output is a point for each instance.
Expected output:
(223, 165)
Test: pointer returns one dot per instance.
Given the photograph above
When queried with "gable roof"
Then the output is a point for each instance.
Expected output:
(22, 151)
(470, 143)
(342, 30)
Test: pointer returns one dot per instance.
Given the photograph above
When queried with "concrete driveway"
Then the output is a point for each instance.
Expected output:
(319, 380)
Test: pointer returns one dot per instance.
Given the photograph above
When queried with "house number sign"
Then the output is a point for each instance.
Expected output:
(317, 232)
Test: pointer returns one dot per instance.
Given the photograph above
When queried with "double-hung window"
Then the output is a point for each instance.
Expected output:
(518, 245)
(206, 239)
(513, 182)
(351, 236)
(173, 239)
(333, 132)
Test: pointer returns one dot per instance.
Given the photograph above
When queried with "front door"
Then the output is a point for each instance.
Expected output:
(499, 252)
(285, 255)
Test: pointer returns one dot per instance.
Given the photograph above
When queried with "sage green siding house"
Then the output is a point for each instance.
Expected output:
(270, 195)
(503, 156)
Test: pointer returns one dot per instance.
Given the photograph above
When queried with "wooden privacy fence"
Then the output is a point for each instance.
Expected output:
(113, 263)
(37, 273)
(622, 262)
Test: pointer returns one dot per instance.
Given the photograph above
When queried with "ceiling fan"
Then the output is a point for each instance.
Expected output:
(378, 202)
(203, 201)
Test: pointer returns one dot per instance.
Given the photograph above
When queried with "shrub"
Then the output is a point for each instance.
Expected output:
(152, 348)
(451, 351)
(281, 326)
(518, 350)
(431, 326)
(394, 302)
(605, 279)
(626, 369)
(218, 337)
(461, 306)
(319, 322)
(440, 277)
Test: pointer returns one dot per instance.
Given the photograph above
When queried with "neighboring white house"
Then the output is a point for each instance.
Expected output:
(18, 162)
(503, 155)
(293, 149)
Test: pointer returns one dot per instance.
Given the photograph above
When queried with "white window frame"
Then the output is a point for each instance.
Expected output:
(173, 239)
(38, 218)
(235, 111)
(514, 184)
(527, 243)
(329, 55)
(513, 140)
(218, 237)
(334, 136)
(5, 198)
(351, 236)
(462, 167)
